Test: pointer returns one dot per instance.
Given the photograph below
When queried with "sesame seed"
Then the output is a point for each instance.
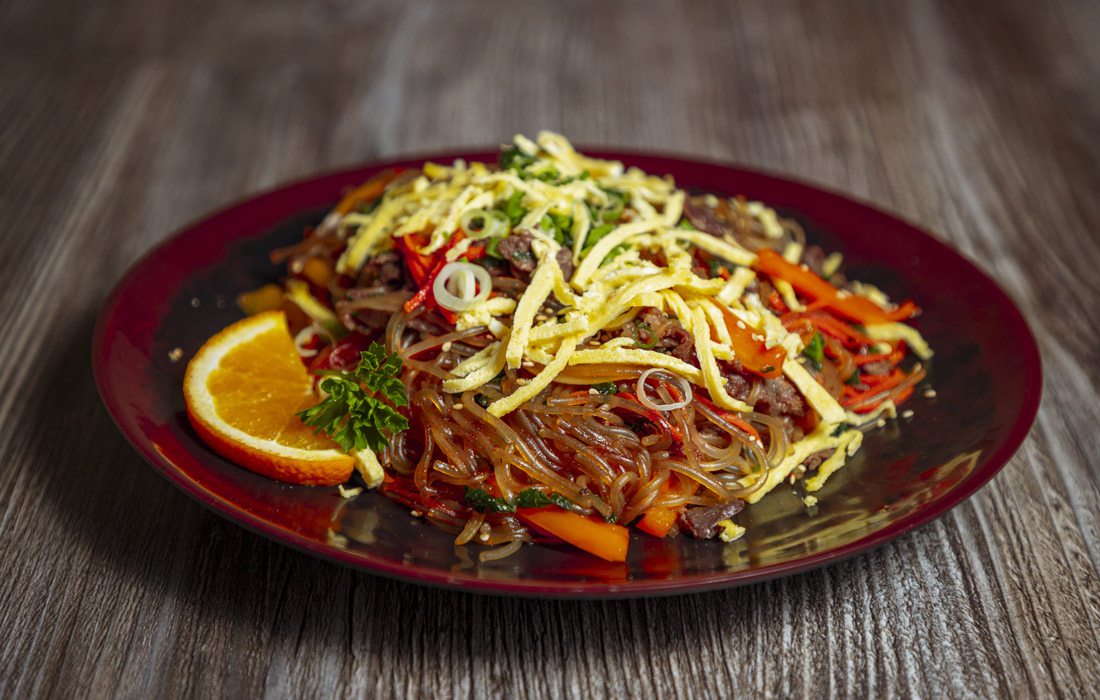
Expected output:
(415, 513)
(484, 537)
(521, 381)
(908, 413)
(195, 302)
(446, 346)
(528, 363)
(458, 407)
(741, 325)
(176, 354)
(930, 393)
(880, 423)
(593, 392)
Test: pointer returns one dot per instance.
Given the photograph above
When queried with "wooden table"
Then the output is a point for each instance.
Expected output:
(120, 121)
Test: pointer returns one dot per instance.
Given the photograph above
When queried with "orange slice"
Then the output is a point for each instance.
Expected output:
(243, 389)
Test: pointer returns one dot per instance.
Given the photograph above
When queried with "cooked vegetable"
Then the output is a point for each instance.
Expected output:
(605, 540)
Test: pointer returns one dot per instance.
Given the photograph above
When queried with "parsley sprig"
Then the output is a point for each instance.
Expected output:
(360, 409)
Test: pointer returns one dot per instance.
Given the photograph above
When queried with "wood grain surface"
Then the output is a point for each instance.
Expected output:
(121, 120)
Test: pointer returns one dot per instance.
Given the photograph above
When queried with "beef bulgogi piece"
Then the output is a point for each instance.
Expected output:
(516, 249)
(383, 270)
(670, 336)
(565, 262)
(702, 521)
(663, 334)
(778, 397)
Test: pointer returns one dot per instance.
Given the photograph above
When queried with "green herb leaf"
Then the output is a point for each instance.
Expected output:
(513, 208)
(644, 327)
(613, 210)
(512, 158)
(491, 249)
(686, 225)
(560, 227)
(596, 234)
(716, 265)
(359, 409)
(534, 498)
(606, 388)
(482, 502)
(854, 380)
(815, 350)
(843, 427)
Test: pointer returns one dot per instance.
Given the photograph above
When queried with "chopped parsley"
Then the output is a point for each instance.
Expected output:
(606, 388)
(359, 410)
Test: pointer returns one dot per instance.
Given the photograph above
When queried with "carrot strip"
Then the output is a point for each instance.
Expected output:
(850, 306)
(658, 521)
(750, 352)
(888, 383)
(605, 540)
(367, 192)
(903, 395)
(899, 390)
(840, 330)
(880, 379)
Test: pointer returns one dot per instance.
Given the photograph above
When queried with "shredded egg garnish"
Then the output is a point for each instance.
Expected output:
(614, 273)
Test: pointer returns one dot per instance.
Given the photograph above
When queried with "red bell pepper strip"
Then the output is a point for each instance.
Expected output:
(749, 351)
(424, 269)
(850, 306)
(421, 295)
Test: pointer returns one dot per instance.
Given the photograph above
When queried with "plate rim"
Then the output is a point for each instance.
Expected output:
(107, 320)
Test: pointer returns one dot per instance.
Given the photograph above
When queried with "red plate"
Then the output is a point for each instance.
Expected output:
(986, 374)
